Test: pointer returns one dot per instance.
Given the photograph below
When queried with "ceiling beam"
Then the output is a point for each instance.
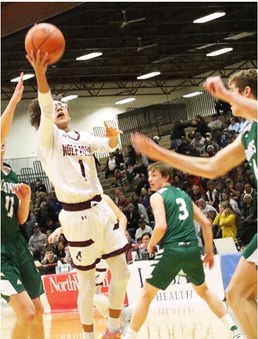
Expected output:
(18, 15)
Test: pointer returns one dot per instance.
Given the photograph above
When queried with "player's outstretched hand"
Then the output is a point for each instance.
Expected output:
(17, 94)
(38, 61)
(208, 260)
(111, 132)
(145, 145)
(22, 191)
(216, 88)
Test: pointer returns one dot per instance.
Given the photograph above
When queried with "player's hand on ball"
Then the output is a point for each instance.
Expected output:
(38, 61)
(111, 132)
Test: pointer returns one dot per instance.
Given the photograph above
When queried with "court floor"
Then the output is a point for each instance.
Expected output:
(189, 321)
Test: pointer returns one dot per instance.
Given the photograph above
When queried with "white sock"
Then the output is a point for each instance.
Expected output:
(130, 334)
(228, 321)
(88, 335)
(113, 324)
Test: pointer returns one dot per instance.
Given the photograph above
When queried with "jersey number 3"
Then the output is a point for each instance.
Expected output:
(183, 212)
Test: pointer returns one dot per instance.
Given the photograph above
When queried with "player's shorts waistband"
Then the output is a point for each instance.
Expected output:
(80, 206)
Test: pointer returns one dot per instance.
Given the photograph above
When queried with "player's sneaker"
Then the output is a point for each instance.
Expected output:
(110, 335)
(126, 316)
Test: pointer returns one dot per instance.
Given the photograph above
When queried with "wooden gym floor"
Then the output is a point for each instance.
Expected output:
(187, 321)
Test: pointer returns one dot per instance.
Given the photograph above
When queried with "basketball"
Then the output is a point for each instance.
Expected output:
(47, 38)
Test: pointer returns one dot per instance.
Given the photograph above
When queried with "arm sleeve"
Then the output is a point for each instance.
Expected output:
(47, 126)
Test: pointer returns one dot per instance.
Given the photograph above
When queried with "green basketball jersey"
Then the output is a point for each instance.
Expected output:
(179, 216)
(249, 141)
(9, 206)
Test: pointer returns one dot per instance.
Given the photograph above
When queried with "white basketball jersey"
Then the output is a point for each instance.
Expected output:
(67, 157)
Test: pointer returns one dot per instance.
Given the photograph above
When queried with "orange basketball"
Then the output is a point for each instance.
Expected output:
(47, 38)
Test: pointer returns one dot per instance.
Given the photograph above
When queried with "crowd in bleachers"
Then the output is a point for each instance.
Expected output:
(230, 201)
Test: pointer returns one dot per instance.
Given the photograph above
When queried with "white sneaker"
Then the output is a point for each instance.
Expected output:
(126, 316)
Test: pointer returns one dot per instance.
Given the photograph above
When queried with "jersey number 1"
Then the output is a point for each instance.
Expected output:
(82, 169)
(9, 201)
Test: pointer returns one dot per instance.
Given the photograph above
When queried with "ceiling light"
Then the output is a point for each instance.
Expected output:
(209, 17)
(190, 95)
(124, 101)
(239, 36)
(69, 97)
(220, 51)
(89, 56)
(148, 75)
(25, 77)
(205, 46)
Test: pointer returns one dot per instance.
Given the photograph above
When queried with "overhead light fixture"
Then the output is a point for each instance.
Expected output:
(220, 51)
(209, 17)
(148, 75)
(239, 36)
(25, 77)
(190, 95)
(89, 56)
(124, 101)
(69, 97)
(205, 46)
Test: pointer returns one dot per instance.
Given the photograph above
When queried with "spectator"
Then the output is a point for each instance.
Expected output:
(183, 148)
(145, 198)
(198, 141)
(226, 197)
(143, 228)
(132, 216)
(156, 139)
(215, 123)
(212, 194)
(39, 186)
(111, 165)
(117, 197)
(49, 261)
(67, 258)
(132, 247)
(141, 209)
(195, 193)
(37, 242)
(141, 165)
(243, 124)
(233, 193)
(248, 219)
(234, 125)
(204, 207)
(60, 249)
(201, 126)
(248, 190)
(208, 142)
(226, 220)
(119, 158)
(142, 183)
(178, 131)
(130, 157)
(142, 253)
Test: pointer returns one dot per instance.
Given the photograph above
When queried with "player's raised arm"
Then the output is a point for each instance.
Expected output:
(7, 116)
(226, 159)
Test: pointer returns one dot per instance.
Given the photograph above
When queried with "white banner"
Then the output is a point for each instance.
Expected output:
(180, 289)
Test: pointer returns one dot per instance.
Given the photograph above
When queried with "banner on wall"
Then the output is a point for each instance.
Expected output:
(62, 289)
(180, 289)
